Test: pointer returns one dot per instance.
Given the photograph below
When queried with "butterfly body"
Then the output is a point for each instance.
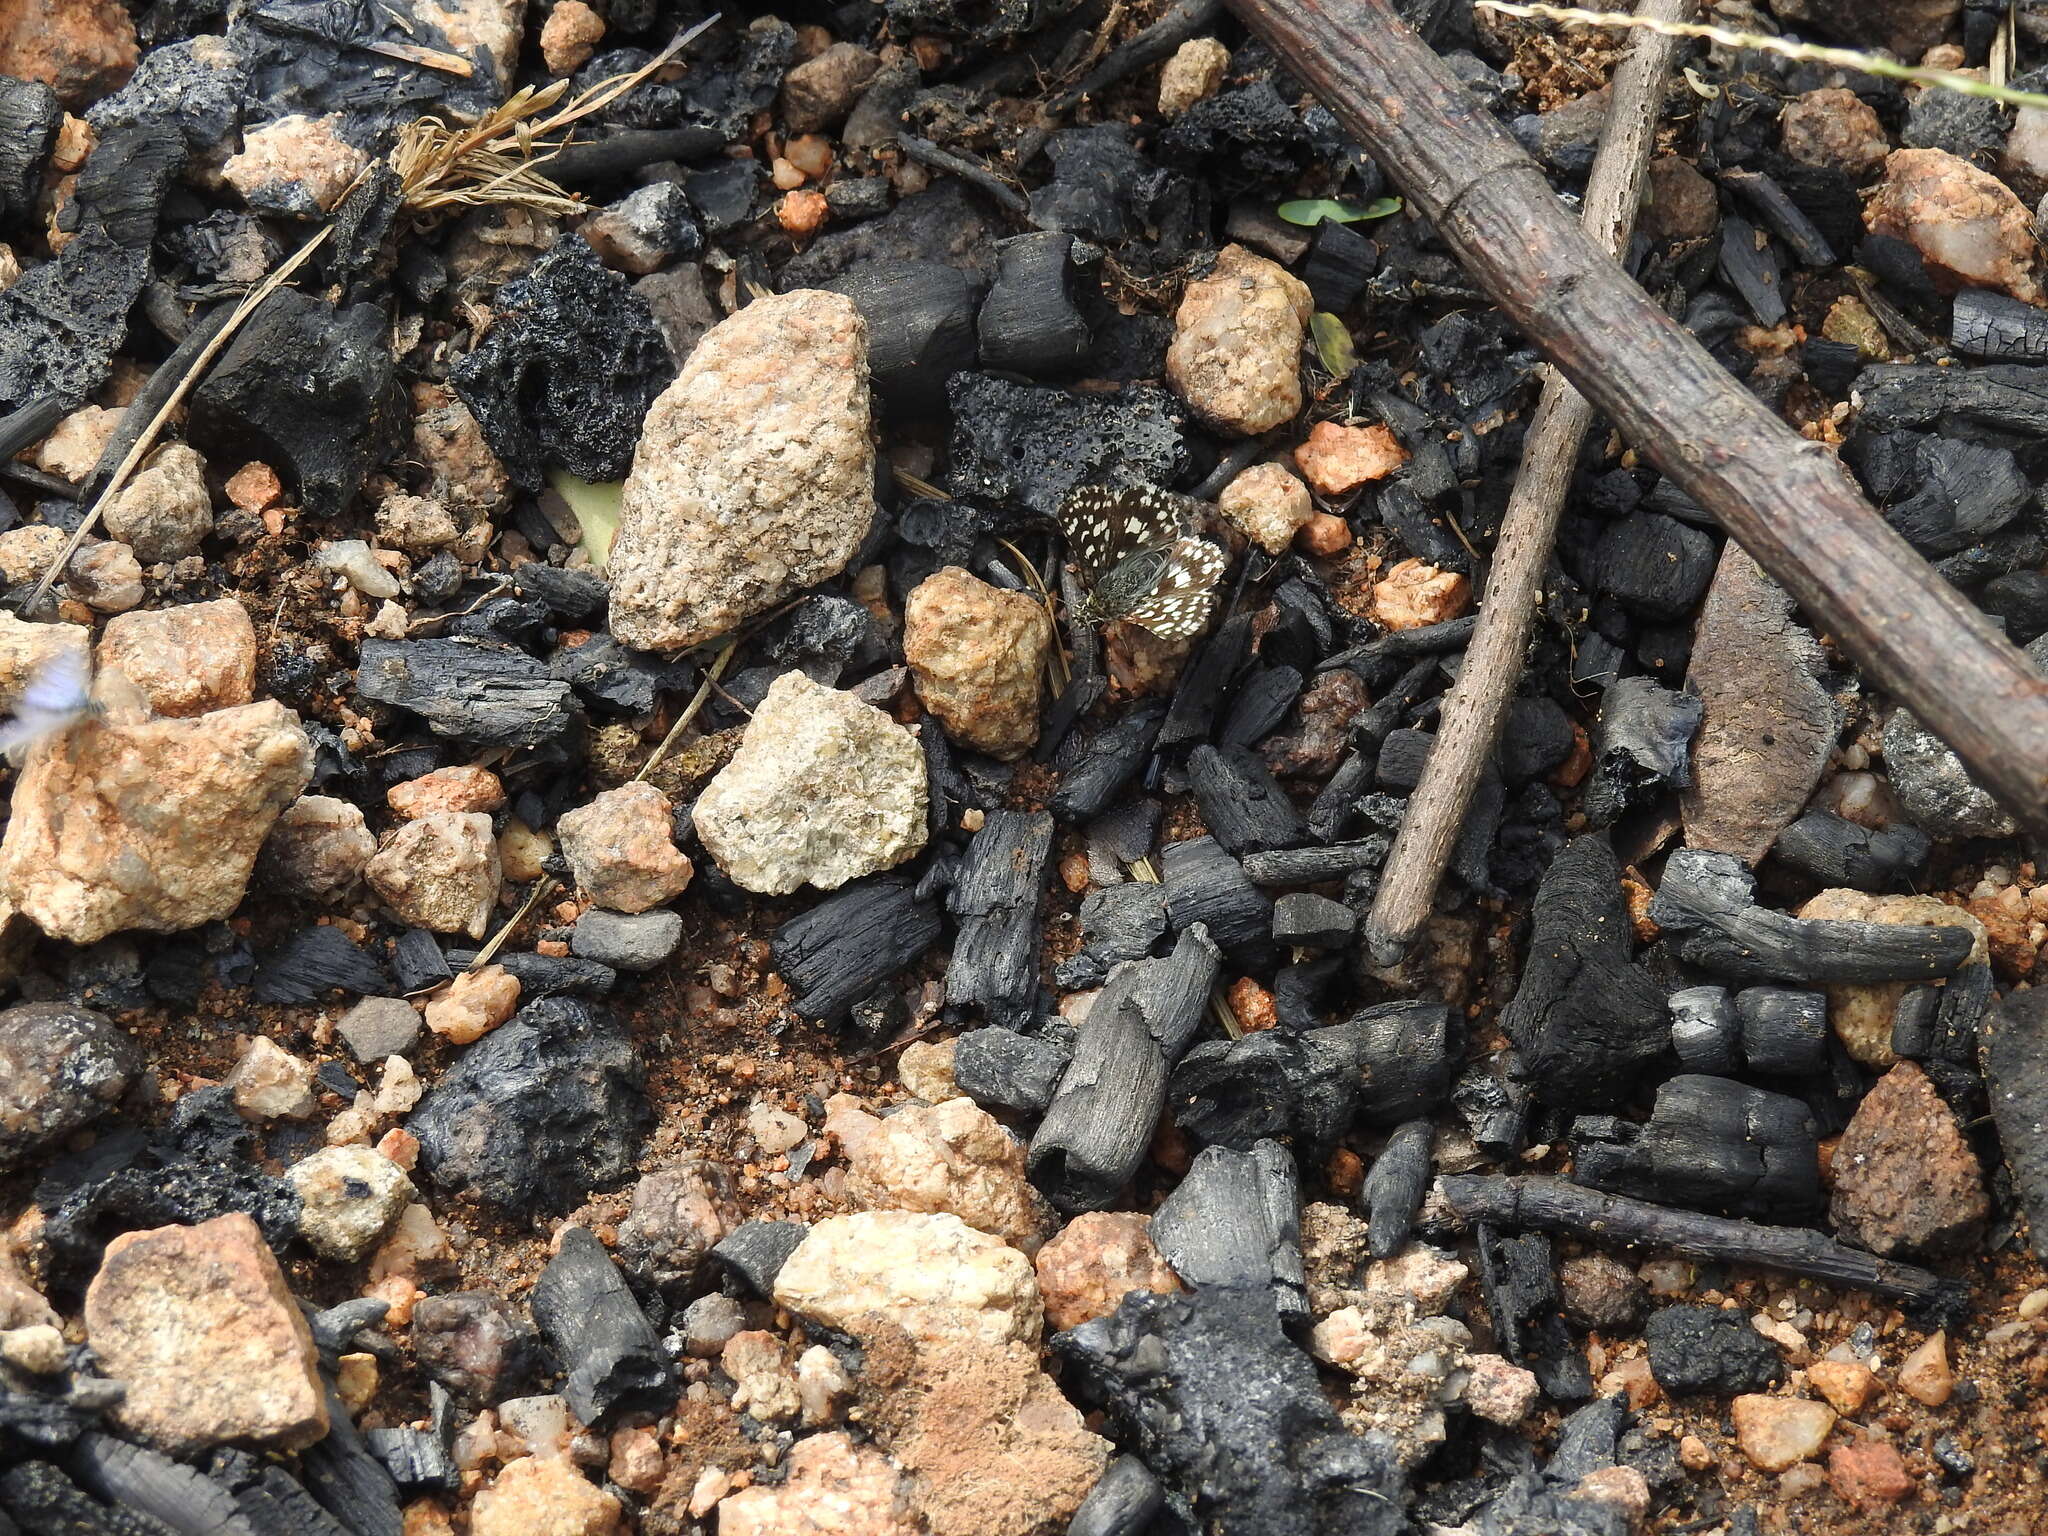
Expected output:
(1138, 561)
(57, 697)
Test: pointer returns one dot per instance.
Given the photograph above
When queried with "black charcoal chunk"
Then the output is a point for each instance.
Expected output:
(999, 1068)
(1706, 904)
(1407, 1052)
(851, 942)
(1339, 263)
(920, 319)
(417, 962)
(2021, 599)
(1299, 990)
(610, 1351)
(1395, 1186)
(65, 1068)
(148, 1483)
(1704, 1030)
(49, 1504)
(1314, 866)
(1118, 922)
(539, 1112)
(1831, 366)
(29, 120)
(1102, 187)
(1235, 1220)
(1029, 323)
(755, 1251)
(2016, 1074)
(1307, 921)
(1787, 220)
(1518, 1278)
(416, 1459)
(1656, 565)
(571, 594)
(1588, 1440)
(1642, 744)
(566, 372)
(1711, 1144)
(311, 391)
(61, 321)
(1402, 756)
(1122, 1502)
(546, 975)
(1243, 805)
(1493, 1101)
(1260, 704)
(1585, 1019)
(1206, 885)
(1935, 787)
(1031, 445)
(1536, 737)
(1709, 1349)
(1107, 765)
(1998, 328)
(1208, 1390)
(349, 1482)
(1962, 492)
(606, 674)
(1206, 681)
(1749, 264)
(2004, 397)
(1837, 851)
(315, 961)
(479, 691)
(1784, 1031)
(995, 899)
(1271, 1082)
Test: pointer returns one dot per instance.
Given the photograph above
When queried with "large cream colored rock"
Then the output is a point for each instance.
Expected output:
(834, 1488)
(977, 654)
(1235, 357)
(952, 1157)
(164, 512)
(1860, 1012)
(148, 824)
(441, 872)
(27, 649)
(188, 660)
(1969, 227)
(932, 1275)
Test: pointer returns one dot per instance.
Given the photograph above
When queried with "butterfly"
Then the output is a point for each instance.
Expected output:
(1138, 559)
(58, 695)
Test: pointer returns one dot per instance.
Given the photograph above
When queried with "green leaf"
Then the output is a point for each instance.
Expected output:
(1333, 344)
(1311, 211)
(597, 512)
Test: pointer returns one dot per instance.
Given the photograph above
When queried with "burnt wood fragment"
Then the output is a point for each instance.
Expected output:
(1749, 264)
(1243, 805)
(1395, 1186)
(1113, 757)
(1704, 1030)
(920, 319)
(1493, 1101)
(1299, 990)
(1556, 1205)
(1965, 999)
(1119, 922)
(268, 1499)
(1656, 565)
(1032, 444)
(1915, 1021)
(1642, 744)
(545, 975)
(1711, 1143)
(1261, 703)
(149, 1483)
(1837, 851)
(47, 1501)
(29, 119)
(610, 1352)
(1303, 920)
(1998, 328)
(471, 690)
(1235, 1220)
(848, 944)
(1340, 262)
(61, 321)
(1783, 1031)
(1314, 866)
(1029, 323)
(999, 1068)
(1585, 1018)
(1206, 885)
(995, 897)
(2016, 1071)
(315, 961)
(1407, 1052)
(755, 1251)
(1270, 1083)
(1402, 756)
(1706, 905)
(1123, 1501)
(349, 1482)
(1788, 222)
(416, 1459)
(1206, 681)
(1337, 803)
(1519, 1282)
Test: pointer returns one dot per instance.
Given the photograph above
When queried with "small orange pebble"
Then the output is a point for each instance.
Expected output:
(1578, 763)
(1253, 1005)
(1345, 1173)
(1324, 535)
(810, 153)
(802, 213)
(785, 175)
(254, 486)
(1336, 460)
(554, 949)
(1415, 595)
(1074, 872)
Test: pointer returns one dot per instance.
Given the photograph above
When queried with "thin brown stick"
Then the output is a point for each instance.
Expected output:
(1470, 721)
(1786, 500)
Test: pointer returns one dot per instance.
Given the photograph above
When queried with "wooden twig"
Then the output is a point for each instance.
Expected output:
(1470, 721)
(1788, 501)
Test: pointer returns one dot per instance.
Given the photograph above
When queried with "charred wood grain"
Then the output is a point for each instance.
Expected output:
(853, 940)
(612, 1356)
(1998, 328)
(1395, 1187)
(1206, 681)
(1109, 762)
(349, 1482)
(1787, 220)
(1206, 885)
(1406, 1052)
(995, 897)
(1243, 805)
(1710, 1142)
(1518, 1279)
(1235, 1219)
(1837, 851)
(133, 1477)
(1313, 866)
(1261, 703)
(1001, 1068)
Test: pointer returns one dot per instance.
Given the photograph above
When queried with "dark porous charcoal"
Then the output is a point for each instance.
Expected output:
(1656, 565)
(1493, 1101)
(417, 961)
(149, 1484)
(1340, 262)
(1642, 744)
(1402, 756)
(1518, 1278)
(608, 676)
(2016, 1072)
(1710, 1349)
(995, 899)
(1118, 922)
(1588, 1440)
(1307, 921)
(1260, 704)
(852, 941)
(1535, 739)
(1837, 851)
(1029, 323)
(755, 1251)
(1395, 1186)
(1122, 1502)
(315, 961)
(472, 690)
(1002, 1069)
(1962, 493)
(920, 318)
(1704, 1030)
(1031, 445)
(546, 975)
(1407, 1052)
(1750, 266)
(43, 1499)
(1232, 1093)
(61, 322)
(1206, 885)
(1783, 1031)
(1235, 1220)
(568, 594)
(2004, 397)
(1102, 187)
(2021, 599)
(610, 1351)
(1207, 683)
(1998, 328)
(1711, 1144)
(1242, 803)
(1097, 777)
(416, 1459)
(29, 119)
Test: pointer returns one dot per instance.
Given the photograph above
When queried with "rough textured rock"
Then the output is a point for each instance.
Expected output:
(1095, 1261)
(823, 789)
(152, 825)
(1235, 357)
(1766, 724)
(754, 477)
(677, 1216)
(1269, 504)
(316, 849)
(26, 649)
(1780, 1432)
(977, 654)
(1194, 73)
(296, 165)
(932, 1275)
(1869, 1472)
(82, 49)
(461, 787)
(569, 36)
(1415, 594)
(164, 512)
(270, 1083)
(622, 850)
(1836, 129)
(543, 1496)
(348, 1199)
(199, 1324)
(440, 872)
(1968, 226)
(1905, 1179)
(187, 660)
(834, 1486)
(818, 93)
(61, 1069)
(475, 1003)
(1935, 788)
(1336, 460)
(1860, 1013)
(378, 1027)
(951, 1157)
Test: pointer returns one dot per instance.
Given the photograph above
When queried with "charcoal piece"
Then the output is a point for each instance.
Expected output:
(1423, 533)
(1518, 1280)
(417, 961)
(1407, 1052)
(546, 975)
(1831, 366)
(1963, 492)
(999, 1068)
(2003, 397)
(29, 119)
(1307, 921)
(1656, 565)
(1642, 743)
(1108, 764)
(50, 1504)
(202, 1164)
(1029, 323)
(1122, 837)
(1030, 445)
(1529, 1504)
(349, 1482)
(1783, 1031)
(1270, 1083)
(1235, 1220)
(1934, 786)
(566, 372)
(1998, 328)
(1787, 221)
(1588, 1440)
(852, 942)
(1313, 866)
(1243, 805)
(1709, 1349)
(1206, 681)
(1959, 1014)
(148, 1483)
(1706, 903)
(1596, 662)
(611, 1354)
(1118, 922)
(1536, 737)
(311, 391)
(1106, 1108)
(267, 1498)
(864, 197)
(1704, 1030)
(995, 898)
(755, 1251)
(1340, 262)
(1206, 885)
(1261, 703)
(2021, 599)
(2016, 1074)
(1914, 1022)
(1494, 1104)
(1122, 1502)
(1394, 1187)
(1585, 1019)
(1712, 1144)
(607, 675)
(1102, 186)
(1230, 1415)
(62, 320)
(1836, 851)
(1371, 659)
(978, 23)
(121, 187)
(572, 594)
(1402, 757)
(1299, 990)
(416, 1459)
(315, 961)
(1749, 265)
(539, 1112)
(479, 691)
(920, 318)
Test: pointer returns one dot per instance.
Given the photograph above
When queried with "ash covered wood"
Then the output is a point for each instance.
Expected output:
(1711, 1142)
(473, 690)
(1836, 851)
(1235, 1220)
(995, 898)
(612, 1356)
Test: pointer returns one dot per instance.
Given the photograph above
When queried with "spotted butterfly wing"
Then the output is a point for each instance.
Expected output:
(1137, 560)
